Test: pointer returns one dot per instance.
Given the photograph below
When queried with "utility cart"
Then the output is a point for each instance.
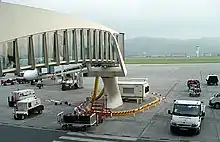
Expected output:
(73, 120)
(85, 115)
(195, 91)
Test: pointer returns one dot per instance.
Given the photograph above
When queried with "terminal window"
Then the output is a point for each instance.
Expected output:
(128, 90)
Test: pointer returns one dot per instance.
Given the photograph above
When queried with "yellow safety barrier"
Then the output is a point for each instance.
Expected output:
(134, 111)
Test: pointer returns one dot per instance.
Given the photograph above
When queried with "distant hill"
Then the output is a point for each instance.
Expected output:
(163, 46)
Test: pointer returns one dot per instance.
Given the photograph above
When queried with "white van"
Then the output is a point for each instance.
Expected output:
(20, 95)
(187, 115)
(134, 89)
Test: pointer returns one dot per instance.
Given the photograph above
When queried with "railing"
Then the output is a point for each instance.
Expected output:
(60, 47)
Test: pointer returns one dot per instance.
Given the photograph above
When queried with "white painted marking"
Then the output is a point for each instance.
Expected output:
(82, 139)
(103, 136)
(57, 141)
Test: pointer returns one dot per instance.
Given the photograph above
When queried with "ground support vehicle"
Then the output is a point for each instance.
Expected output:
(69, 82)
(21, 80)
(70, 120)
(85, 115)
(193, 82)
(26, 107)
(195, 91)
(40, 84)
(212, 80)
(134, 89)
(20, 95)
(214, 101)
(9, 81)
(187, 116)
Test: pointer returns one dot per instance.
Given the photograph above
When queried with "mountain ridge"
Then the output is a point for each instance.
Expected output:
(167, 46)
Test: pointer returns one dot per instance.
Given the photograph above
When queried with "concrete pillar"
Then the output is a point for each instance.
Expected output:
(111, 88)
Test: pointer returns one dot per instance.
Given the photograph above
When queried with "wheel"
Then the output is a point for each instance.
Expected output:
(76, 86)
(198, 131)
(217, 105)
(216, 84)
(64, 127)
(22, 117)
(15, 117)
(64, 88)
(39, 111)
(83, 128)
(172, 129)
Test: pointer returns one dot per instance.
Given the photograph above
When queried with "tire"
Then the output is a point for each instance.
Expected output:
(39, 111)
(63, 88)
(198, 131)
(172, 130)
(64, 127)
(76, 86)
(22, 117)
(15, 117)
(217, 105)
(83, 128)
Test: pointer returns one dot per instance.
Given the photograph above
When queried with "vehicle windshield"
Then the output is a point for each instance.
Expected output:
(21, 106)
(213, 78)
(186, 110)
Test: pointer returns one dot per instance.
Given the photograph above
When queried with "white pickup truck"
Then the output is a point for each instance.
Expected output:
(214, 101)
(187, 115)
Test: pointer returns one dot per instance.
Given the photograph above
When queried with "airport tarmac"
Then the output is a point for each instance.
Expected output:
(151, 125)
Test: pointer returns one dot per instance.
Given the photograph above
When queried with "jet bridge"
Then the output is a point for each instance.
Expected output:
(64, 42)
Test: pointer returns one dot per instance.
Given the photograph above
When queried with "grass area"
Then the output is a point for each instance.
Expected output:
(170, 60)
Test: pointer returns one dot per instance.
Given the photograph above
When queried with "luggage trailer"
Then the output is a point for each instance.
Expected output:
(96, 115)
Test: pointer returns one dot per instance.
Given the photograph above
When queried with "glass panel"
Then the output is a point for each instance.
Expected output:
(23, 51)
(61, 44)
(4, 56)
(70, 45)
(93, 44)
(50, 47)
(38, 48)
(86, 50)
(78, 37)
(102, 45)
(128, 90)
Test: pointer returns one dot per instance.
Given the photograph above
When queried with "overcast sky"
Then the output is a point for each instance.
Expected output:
(160, 18)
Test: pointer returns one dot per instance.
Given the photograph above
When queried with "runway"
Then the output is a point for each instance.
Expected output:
(151, 125)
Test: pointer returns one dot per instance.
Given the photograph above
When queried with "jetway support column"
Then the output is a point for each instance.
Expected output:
(113, 92)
